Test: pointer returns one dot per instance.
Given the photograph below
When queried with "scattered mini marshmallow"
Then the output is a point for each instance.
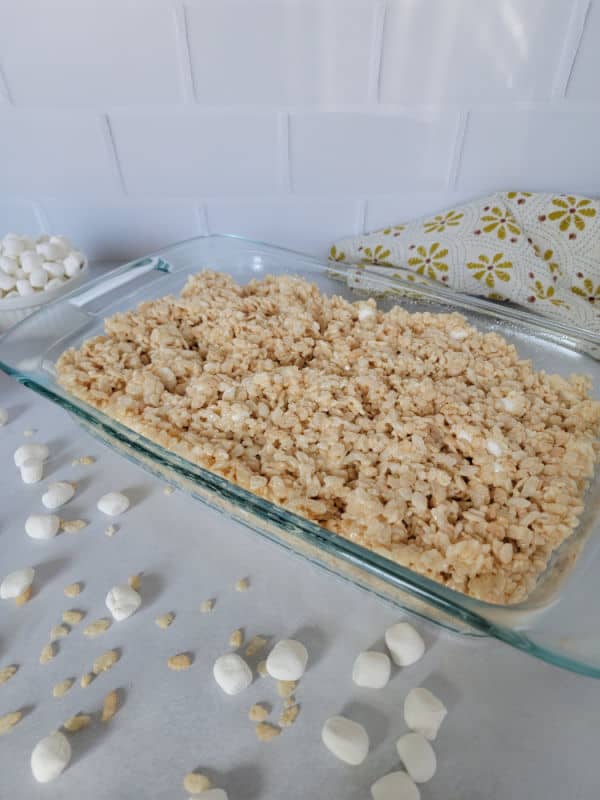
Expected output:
(346, 739)
(371, 669)
(57, 494)
(15, 583)
(232, 673)
(287, 660)
(122, 601)
(3, 416)
(404, 643)
(395, 786)
(113, 504)
(42, 526)
(32, 470)
(418, 757)
(50, 757)
(424, 712)
(31, 450)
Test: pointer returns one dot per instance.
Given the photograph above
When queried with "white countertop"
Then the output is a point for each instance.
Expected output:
(511, 719)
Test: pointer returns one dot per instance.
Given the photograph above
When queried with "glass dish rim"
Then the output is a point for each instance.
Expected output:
(455, 604)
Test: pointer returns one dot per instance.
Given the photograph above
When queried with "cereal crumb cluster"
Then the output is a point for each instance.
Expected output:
(412, 434)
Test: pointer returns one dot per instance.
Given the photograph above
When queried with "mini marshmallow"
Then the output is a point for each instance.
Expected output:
(20, 274)
(287, 660)
(50, 757)
(24, 288)
(346, 739)
(42, 526)
(51, 251)
(424, 712)
(13, 247)
(54, 283)
(493, 447)
(459, 334)
(395, 786)
(3, 416)
(30, 260)
(16, 583)
(32, 470)
(57, 494)
(404, 643)
(7, 282)
(418, 757)
(122, 601)
(32, 450)
(38, 278)
(366, 312)
(371, 670)
(54, 268)
(113, 504)
(8, 265)
(62, 241)
(73, 263)
(232, 673)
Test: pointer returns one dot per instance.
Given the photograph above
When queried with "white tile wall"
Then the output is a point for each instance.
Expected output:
(131, 123)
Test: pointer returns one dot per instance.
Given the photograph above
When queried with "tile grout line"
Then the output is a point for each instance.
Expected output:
(4, 90)
(458, 149)
(202, 215)
(572, 43)
(284, 154)
(376, 59)
(114, 155)
(184, 55)
(41, 216)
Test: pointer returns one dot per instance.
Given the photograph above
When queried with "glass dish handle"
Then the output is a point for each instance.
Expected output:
(103, 288)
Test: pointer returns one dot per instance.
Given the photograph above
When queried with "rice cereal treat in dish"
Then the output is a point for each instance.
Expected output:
(448, 454)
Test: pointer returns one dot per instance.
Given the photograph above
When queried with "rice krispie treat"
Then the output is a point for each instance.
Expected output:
(414, 435)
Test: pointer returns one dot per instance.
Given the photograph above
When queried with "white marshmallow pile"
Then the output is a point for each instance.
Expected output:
(42, 526)
(113, 504)
(404, 643)
(57, 494)
(30, 458)
(287, 660)
(395, 786)
(346, 739)
(50, 756)
(232, 673)
(29, 266)
(371, 670)
(15, 583)
(122, 601)
(424, 712)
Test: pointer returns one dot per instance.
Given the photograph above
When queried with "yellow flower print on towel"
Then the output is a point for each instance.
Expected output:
(520, 197)
(376, 255)
(499, 221)
(541, 292)
(336, 255)
(570, 210)
(589, 292)
(442, 221)
(428, 261)
(488, 269)
(396, 230)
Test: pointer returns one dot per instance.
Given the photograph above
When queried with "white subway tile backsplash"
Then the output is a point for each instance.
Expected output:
(538, 150)
(123, 229)
(471, 50)
(197, 153)
(66, 53)
(50, 152)
(394, 209)
(310, 224)
(584, 83)
(18, 217)
(371, 153)
(269, 52)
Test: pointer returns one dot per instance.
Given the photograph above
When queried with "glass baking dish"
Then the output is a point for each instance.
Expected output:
(557, 622)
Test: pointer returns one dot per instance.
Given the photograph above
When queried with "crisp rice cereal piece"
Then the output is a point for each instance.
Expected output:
(24, 597)
(97, 627)
(288, 716)
(265, 731)
(110, 706)
(196, 783)
(242, 585)
(63, 687)
(73, 589)
(261, 668)
(86, 679)
(48, 653)
(258, 712)
(105, 662)
(76, 723)
(180, 661)
(135, 582)
(8, 721)
(110, 530)
(168, 490)
(164, 620)
(72, 525)
(256, 645)
(73, 616)
(59, 632)
(83, 460)
(6, 673)
(206, 606)
(286, 688)
(236, 639)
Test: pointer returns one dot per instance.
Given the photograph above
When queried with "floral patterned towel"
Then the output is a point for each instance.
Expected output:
(540, 251)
